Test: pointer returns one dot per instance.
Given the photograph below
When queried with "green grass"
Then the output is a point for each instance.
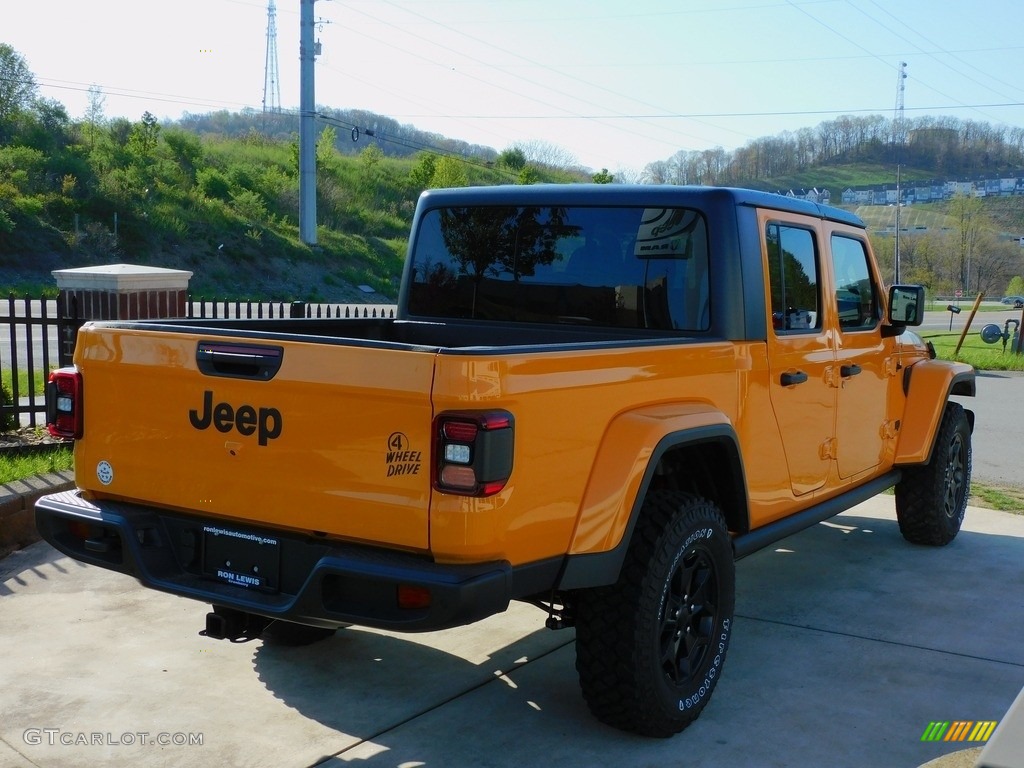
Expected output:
(1003, 499)
(18, 467)
(23, 390)
(975, 352)
(965, 306)
(882, 216)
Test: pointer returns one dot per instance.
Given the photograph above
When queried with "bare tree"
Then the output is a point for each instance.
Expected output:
(994, 263)
(657, 172)
(94, 117)
(545, 153)
(969, 218)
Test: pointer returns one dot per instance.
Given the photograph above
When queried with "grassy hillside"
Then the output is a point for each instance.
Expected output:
(225, 209)
(836, 178)
(912, 217)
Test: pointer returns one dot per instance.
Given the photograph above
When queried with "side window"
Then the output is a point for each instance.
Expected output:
(856, 297)
(793, 276)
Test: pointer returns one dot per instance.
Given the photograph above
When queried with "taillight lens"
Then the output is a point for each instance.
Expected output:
(64, 403)
(473, 452)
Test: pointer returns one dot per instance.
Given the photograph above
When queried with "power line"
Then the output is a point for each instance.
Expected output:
(931, 56)
(528, 81)
(950, 53)
(678, 115)
(72, 85)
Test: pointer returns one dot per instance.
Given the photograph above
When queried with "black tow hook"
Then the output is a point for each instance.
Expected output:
(236, 626)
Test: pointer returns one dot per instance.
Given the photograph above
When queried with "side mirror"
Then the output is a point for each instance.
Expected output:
(906, 305)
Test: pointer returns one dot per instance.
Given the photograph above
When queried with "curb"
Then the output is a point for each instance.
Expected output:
(17, 507)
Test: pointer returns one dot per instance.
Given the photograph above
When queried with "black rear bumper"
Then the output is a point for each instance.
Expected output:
(321, 583)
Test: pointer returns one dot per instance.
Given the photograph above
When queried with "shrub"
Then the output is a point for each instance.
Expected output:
(7, 419)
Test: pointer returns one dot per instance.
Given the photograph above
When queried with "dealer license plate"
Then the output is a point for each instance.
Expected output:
(242, 558)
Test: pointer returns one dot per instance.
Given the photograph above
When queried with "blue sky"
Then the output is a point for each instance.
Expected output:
(615, 84)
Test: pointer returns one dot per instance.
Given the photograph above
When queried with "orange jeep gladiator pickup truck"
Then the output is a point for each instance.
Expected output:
(592, 398)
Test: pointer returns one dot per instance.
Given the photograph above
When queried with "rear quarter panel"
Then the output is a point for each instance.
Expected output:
(565, 404)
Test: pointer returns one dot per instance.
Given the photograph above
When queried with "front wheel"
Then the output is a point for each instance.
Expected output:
(650, 648)
(931, 498)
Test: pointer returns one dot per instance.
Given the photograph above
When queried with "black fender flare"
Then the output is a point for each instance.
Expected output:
(592, 569)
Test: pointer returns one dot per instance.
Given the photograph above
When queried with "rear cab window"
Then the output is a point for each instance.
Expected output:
(618, 267)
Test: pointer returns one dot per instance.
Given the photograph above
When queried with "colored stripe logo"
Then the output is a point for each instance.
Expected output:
(959, 730)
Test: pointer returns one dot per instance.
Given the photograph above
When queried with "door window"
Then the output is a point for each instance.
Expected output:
(793, 277)
(856, 297)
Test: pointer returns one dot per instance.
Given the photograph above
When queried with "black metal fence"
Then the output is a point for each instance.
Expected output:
(35, 338)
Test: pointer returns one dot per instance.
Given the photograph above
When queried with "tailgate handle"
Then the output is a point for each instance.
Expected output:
(239, 361)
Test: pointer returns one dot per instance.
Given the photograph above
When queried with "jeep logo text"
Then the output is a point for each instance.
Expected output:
(265, 422)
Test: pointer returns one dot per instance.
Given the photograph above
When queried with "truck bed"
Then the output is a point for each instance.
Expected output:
(451, 336)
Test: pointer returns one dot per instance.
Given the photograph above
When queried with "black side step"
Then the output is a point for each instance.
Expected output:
(762, 537)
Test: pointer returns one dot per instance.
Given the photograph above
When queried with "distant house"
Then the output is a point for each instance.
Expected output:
(917, 192)
(813, 195)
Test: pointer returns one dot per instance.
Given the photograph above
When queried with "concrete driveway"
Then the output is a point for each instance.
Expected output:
(848, 642)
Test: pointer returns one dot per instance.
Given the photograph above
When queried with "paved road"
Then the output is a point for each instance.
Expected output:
(998, 438)
(848, 642)
(939, 321)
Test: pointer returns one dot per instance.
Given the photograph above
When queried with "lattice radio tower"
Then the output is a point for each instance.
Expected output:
(899, 127)
(271, 78)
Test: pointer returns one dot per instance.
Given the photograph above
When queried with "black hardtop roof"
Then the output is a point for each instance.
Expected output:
(630, 194)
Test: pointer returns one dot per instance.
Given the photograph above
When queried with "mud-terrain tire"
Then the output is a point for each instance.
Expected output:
(650, 648)
(931, 498)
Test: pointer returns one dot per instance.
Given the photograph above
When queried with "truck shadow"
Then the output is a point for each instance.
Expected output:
(365, 683)
(864, 612)
(37, 562)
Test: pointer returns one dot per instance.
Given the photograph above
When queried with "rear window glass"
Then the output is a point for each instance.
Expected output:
(611, 267)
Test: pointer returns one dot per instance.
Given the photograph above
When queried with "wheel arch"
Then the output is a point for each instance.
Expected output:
(928, 386)
(701, 455)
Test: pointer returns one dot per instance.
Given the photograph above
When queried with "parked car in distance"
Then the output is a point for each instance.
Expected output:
(1016, 301)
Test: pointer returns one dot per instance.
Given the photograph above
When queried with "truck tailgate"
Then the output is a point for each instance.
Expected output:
(316, 437)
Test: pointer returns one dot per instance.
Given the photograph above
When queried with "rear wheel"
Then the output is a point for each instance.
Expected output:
(650, 648)
(931, 499)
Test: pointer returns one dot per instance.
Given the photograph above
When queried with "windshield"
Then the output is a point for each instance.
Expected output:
(612, 267)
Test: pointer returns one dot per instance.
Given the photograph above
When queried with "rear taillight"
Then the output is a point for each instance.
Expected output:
(64, 403)
(472, 452)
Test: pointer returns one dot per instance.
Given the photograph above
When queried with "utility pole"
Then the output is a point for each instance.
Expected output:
(308, 50)
(898, 130)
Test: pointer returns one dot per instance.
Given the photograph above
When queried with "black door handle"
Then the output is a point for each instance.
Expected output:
(849, 370)
(789, 379)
